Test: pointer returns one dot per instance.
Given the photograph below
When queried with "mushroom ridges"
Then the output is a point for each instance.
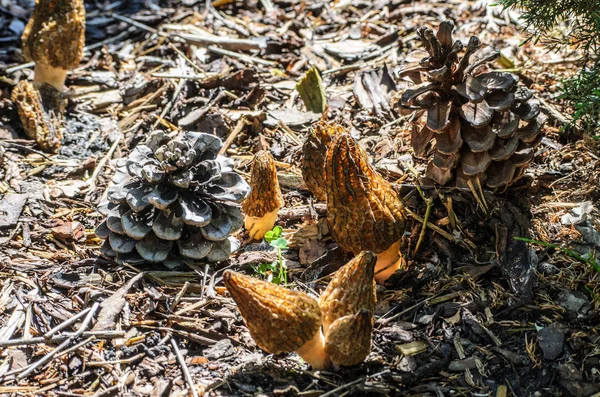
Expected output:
(265, 199)
(280, 320)
(331, 332)
(364, 212)
(54, 38)
(314, 155)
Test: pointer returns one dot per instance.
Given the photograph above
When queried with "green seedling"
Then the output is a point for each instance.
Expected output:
(275, 272)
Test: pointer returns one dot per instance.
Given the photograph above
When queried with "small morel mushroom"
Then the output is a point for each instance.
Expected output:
(364, 212)
(348, 340)
(280, 320)
(331, 332)
(173, 201)
(314, 154)
(40, 111)
(485, 125)
(351, 289)
(54, 39)
(265, 199)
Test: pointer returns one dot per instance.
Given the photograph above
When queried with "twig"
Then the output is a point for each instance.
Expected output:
(424, 228)
(439, 230)
(138, 25)
(184, 368)
(288, 131)
(268, 5)
(77, 346)
(27, 370)
(27, 149)
(335, 391)
(188, 335)
(180, 295)
(65, 324)
(233, 134)
(60, 338)
(107, 392)
(241, 57)
(192, 64)
(170, 104)
(128, 360)
(102, 163)
(225, 42)
(384, 321)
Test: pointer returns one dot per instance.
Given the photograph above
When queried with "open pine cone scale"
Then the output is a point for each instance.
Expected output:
(173, 201)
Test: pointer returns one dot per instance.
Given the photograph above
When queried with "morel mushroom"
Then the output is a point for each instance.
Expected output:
(173, 201)
(265, 199)
(485, 125)
(351, 289)
(364, 212)
(54, 39)
(348, 341)
(314, 154)
(280, 320)
(40, 111)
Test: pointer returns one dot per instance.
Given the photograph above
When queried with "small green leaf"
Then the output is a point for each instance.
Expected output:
(270, 236)
(280, 243)
(277, 230)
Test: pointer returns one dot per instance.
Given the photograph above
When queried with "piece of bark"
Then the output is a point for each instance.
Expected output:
(113, 305)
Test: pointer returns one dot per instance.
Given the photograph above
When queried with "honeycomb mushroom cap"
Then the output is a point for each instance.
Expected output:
(265, 193)
(348, 341)
(351, 289)
(40, 108)
(364, 212)
(55, 34)
(280, 320)
(314, 155)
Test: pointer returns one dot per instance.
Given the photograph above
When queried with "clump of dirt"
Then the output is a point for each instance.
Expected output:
(82, 138)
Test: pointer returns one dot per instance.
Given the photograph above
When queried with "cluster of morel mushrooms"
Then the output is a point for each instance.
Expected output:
(53, 38)
(365, 216)
(177, 199)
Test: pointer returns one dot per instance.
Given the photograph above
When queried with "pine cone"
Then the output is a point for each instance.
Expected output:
(485, 125)
(173, 201)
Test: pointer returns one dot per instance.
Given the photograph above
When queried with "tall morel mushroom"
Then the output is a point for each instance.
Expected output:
(281, 320)
(364, 212)
(173, 201)
(314, 154)
(485, 125)
(54, 38)
(265, 199)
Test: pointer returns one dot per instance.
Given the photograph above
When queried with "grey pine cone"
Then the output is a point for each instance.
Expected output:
(173, 201)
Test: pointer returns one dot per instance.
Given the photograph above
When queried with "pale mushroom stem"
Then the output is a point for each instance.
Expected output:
(326, 324)
(388, 262)
(257, 227)
(53, 76)
(313, 352)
